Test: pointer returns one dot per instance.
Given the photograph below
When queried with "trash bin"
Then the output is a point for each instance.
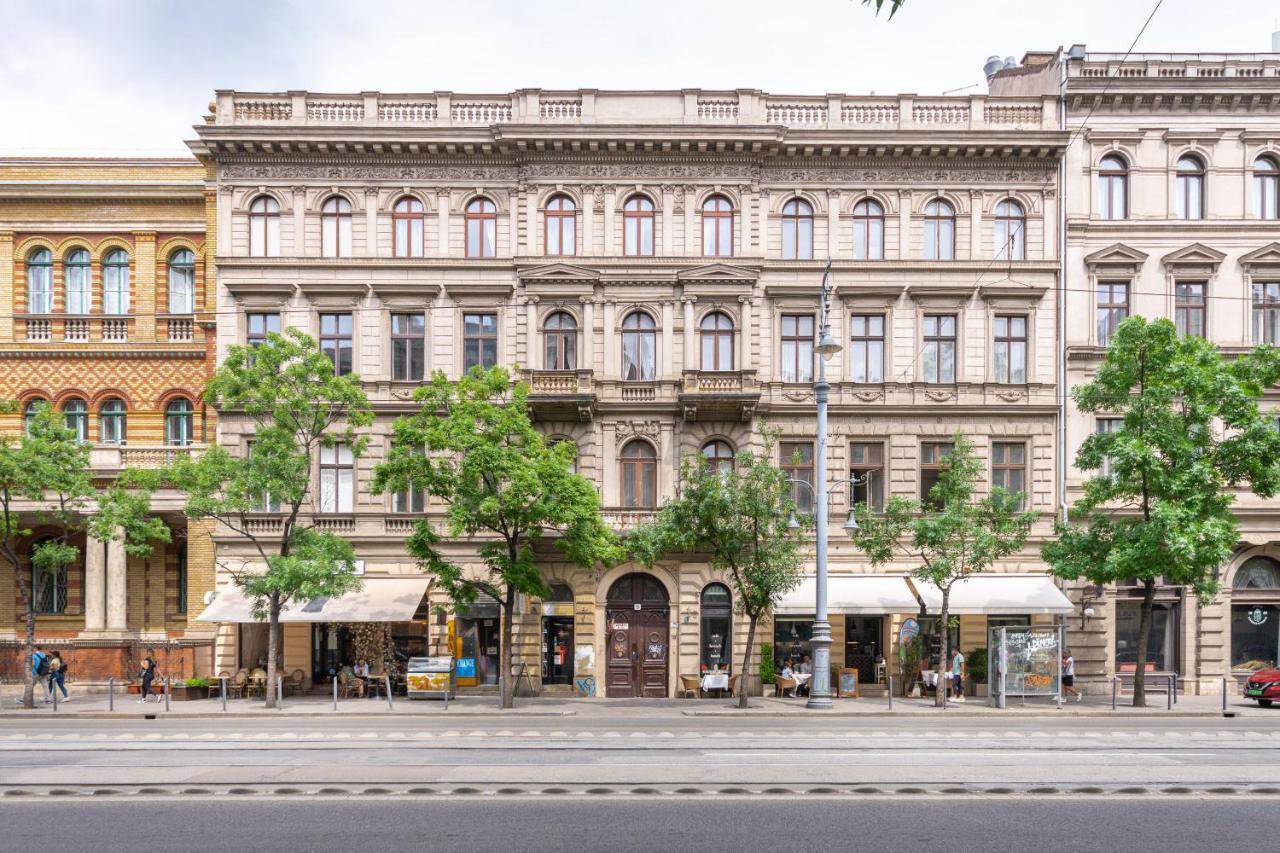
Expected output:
(431, 678)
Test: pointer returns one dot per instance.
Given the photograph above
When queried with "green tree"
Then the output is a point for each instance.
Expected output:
(471, 445)
(953, 535)
(45, 479)
(287, 388)
(739, 519)
(894, 5)
(1159, 504)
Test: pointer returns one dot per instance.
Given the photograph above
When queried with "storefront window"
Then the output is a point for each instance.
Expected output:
(791, 640)
(862, 645)
(929, 630)
(1162, 644)
(1255, 615)
(717, 622)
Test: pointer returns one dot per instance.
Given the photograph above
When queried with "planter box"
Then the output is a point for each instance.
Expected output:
(182, 693)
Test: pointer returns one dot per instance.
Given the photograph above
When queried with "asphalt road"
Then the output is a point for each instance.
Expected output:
(530, 825)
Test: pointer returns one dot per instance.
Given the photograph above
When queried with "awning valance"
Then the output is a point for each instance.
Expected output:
(998, 595)
(377, 600)
(853, 595)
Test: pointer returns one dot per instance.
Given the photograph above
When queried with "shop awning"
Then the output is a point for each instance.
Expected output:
(852, 594)
(378, 600)
(998, 595)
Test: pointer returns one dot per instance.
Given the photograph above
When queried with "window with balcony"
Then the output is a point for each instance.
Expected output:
(481, 218)
(408, 228)
(40, 282)
(933, 461)
(639, 347)
(1113, 308)
(797, 230)
(637, 226)
(1189, 307)
(76, 414)
(1009, 355)
(938, 355)
(335, 228)
(797, 347)
(264, 227)
(866, 470)
(408, 347)
(479, 340)
(560, 221)
(337, 479)
(182, 282)
(718, 455)
(115, 282)
(1189, 191)
(112, 421)
(939, 231)
(1009, 469)
(1011, 231)
(866, 348)
(336, 341)
(78, 276)
(639, 464)
(414, 498)
(868, 231)
(264, 502)
(258, 326)
(560, 337)
(1266, 187)
(715, 334)
(717, 227)
(1113, 188)
(1266, 313)
(179, 423)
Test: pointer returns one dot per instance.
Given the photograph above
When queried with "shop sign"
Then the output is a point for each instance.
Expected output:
(1258, 616)
(550, 609)
(910, 628)
(466, 667)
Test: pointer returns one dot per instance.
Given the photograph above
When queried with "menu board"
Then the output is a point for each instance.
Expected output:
(1032, 659)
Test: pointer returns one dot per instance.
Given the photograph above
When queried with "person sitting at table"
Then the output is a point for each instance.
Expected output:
(788, 674)
(362, 674)
(805, 668)
(347, 675)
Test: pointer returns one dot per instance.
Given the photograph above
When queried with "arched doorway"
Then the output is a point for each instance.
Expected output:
(638, 637)
(1255, 615)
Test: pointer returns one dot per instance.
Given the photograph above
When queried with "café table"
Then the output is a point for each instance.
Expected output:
(802, 679)
(715, 681)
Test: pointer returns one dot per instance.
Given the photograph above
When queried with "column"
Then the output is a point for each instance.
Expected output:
(513, 223)
(609, 467)
(531, 332)
(143, 298)
(611, 368)
(442, 222)
(224, 227)
(690, 221)
(690, 360)
(747, 243)
(95, 584)
(975, 225)
(532, 245)
(299, 224)
(904, 224)
(588, 332)
(371, 222)
(833, 225)
(117, 585)
(1049, 226)
(6, 285)
(668, 340)
(588, 220)
(610, 200)
(746, 334)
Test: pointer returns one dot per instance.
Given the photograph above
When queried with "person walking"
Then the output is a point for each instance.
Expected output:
(57, 676)
(957, 677)
(149, 672)
(40, 671)
(1069, 675)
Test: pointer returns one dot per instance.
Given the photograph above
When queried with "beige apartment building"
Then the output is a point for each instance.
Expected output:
(651, 261)
(1171, 211)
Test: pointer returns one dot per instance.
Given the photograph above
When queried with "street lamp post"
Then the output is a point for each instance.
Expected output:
(820, 686)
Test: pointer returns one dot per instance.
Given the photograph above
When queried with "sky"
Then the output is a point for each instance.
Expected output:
(117, 77)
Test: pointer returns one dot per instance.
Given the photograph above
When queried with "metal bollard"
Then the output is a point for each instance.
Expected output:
(1168, 693)
(1114, 682)
(166, 693)
(890, 692)
(111, 694)
(1224, 694)
(391, 706)
(335, 693)
(54, 694)
(1175, 688)
(222, 684)
(279, 692)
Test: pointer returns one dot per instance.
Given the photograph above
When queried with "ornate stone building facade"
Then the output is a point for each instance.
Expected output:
(104, 314)
(651, 262)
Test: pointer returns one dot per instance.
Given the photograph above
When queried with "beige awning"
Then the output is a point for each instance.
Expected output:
(998, 595)
(853, 595)
(377, 600)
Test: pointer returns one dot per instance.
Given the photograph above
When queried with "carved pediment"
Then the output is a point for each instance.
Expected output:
(1268, 258)
(719, 272)
(1116, 256)
(559, 273)
(1195, 255)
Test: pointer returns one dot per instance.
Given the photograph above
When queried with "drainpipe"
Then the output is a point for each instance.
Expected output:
(1062, 299)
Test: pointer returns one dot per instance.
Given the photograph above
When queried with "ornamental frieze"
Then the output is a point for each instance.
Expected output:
(906, 175)
(364, 172)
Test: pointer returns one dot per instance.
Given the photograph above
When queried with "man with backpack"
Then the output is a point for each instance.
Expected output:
(40, 669)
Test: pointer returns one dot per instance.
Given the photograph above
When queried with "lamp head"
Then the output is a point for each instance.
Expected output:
(827, 345)
(793, 523)
(851, 523)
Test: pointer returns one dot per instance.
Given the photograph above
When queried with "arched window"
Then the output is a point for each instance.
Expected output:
(1189, 196)
(335, 228)
(717, 227)
(1266, 187)
(408, 228)
(1113, 188)
(639, 347)
(78, 278)
(639, 475)
(718, 455)
(112, 423)
(264, 227)
(48, 583)
(1255, 615)
(717, 626)
(637, 226)
(716, 331)
(868, 231)
(560, 219)
(1258, 573)
(29, 413)
(482, 228)
(1011, 231)
(76, 413)
(939, 231)
(182, 282)
(115, 282)
(797, 230)
(561, 333)
(179, 427)
(40, 282)
(557, 440)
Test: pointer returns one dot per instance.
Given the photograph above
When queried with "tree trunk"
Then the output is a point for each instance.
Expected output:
(1144, 636)
(746, 662)
(29, 682)
(273, 649)
(505, 687)
(940, 697)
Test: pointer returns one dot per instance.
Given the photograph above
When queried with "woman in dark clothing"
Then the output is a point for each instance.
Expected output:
(148, 675)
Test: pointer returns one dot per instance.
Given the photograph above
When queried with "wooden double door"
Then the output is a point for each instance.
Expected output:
(638, 637)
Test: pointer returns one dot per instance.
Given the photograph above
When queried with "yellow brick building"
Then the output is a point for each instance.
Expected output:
(107, 314)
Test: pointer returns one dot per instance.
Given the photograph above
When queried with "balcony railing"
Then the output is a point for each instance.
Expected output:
(623, 519)
(114, 456)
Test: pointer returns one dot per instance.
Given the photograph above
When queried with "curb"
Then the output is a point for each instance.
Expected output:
(277, 715)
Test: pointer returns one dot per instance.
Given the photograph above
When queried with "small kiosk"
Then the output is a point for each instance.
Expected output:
(431, 678)
(1025, 662)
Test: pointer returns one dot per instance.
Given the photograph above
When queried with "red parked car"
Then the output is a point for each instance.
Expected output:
(1264, 686)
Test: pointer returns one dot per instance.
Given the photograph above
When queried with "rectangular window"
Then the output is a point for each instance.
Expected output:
(866, 469)
(1113, 308)
(49, 589)
(938, 360)
(933, 456)
(866, 348)
(336, 341)
(1188, 308)
(337, 479)
(408, 347)
(258, 326)
(479, 340)
(1266, 313)
(797, 347)
(1010, 354)
(796, 461)
(1162, 641)
(1107, 426)
(1009, 469)
(263, 502)
(181, 572)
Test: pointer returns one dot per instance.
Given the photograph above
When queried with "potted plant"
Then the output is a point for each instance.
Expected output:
(191, 688)
(768, 670)
(977, 662)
